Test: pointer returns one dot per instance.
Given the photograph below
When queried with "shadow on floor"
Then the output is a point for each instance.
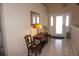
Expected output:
(57, 37)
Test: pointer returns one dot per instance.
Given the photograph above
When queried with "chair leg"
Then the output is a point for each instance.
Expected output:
(35, 53)
(28, 53)
(39, 51)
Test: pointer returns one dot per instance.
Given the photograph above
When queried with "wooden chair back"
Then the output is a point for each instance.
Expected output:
(28, 39)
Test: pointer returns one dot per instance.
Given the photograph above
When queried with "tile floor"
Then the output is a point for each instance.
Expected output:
(59, 47)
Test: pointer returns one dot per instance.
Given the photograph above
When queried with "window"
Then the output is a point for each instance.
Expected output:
(67, 20)
(33, 20)
(51, 20)
(35, 17)
(38, 19)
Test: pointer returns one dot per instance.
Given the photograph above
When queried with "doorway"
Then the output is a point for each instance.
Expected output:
(59, 25)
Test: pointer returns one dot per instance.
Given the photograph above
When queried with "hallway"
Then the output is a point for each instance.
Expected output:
(59, 47)
(18, 20)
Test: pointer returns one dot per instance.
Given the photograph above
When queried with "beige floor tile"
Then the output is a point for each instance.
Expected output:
(58, 47)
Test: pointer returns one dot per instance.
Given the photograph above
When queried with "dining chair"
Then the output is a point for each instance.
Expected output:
(32, 47)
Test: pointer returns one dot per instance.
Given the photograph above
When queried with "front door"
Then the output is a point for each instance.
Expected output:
(59, 26)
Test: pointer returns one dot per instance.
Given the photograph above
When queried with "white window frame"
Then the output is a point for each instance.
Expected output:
(51, 22)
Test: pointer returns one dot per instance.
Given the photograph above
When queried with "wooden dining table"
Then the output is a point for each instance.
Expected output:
(39, 37)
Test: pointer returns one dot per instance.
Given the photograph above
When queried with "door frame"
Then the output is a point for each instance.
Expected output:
(52, 32)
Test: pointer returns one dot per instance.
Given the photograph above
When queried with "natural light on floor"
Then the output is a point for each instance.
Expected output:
(58, 43)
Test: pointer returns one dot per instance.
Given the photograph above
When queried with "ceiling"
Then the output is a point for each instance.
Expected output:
(62, 4)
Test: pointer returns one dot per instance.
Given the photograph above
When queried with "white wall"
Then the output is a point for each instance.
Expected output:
(17, 23)
(75, 38)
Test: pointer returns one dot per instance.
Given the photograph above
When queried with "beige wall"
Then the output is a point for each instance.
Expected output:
(17, 23)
